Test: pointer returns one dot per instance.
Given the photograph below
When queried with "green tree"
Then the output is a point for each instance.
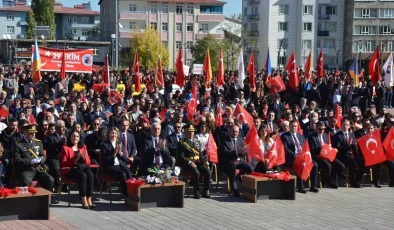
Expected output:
(232, 44)
(149, 48)
(199, 50)
(95, 31)
(31, 23)
(44, 14)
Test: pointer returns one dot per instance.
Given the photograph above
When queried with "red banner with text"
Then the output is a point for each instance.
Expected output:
(77, 60)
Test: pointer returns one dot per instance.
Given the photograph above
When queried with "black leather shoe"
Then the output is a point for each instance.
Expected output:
(206, 194)
(391, 185)
(85, 207)
(314, 189)
(377, 185)
(236, 193)
(332, 185)
(92, 206)
(197, 195)
(301, 190)
(356, 185)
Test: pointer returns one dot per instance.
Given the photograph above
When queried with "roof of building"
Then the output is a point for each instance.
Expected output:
(189, 1)
(59, 9)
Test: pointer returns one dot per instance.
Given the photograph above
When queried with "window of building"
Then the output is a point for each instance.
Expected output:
(255, 10)
(74, 19)
(365, 13)
(386, 13)
(179, 9)
(69, 19)
(209, 9)
(133, 25)
(189, 45)
(85, 20)
(84, 32)
(178, 45)
(245, 26)
(282, 26)
(364, 29)
(306, 44)
(246, 11)
(153, 8)
(388, 47)
(178, 27)
(331, 10)
(204, 28)
(153, 25)
(307, 26)
(96, 51)
(384, 30)
(133, 7)
(164, 26)
(189, 27)
(190, 9)
(164, 9)
(253, 27)
(10, 17)
(74, 31)
(283, 9)
(282, 60)
(10, 29)
(308, 10)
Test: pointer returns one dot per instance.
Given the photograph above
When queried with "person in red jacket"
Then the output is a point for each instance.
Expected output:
(75, 164)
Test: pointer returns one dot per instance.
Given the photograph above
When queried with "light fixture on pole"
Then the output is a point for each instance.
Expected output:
(113, 38)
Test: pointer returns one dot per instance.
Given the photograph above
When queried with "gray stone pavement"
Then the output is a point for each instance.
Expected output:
(344, 208)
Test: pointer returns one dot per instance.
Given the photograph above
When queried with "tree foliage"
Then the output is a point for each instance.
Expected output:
(44, 14)
(95, 31)
(199, 50)
(31, 23)
(149, 48)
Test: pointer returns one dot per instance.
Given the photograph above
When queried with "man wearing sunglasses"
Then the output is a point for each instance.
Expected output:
(174, 138)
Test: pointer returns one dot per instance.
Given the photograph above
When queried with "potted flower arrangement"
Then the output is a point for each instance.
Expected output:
(161, 175)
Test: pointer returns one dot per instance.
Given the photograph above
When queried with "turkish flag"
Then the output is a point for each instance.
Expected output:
(338, 115)
(320, 64)
(374, 66)
(254, 148)
(251, 134)
(251, 71)
(191, 108)
(115, 95)
(241, 114)
(137, 82)
(106, 71)
(303, 164)
(212, 149)
(159, 79)
(162, 114)
(136, 63)
(220, 79)
(63, 67)
(371, 148)
(32, 120)
(276, 154)
(291, 67)
(308, 67)
(3, 112)
(180, 75)
(219, 118)
(328, 153)
(299, 130)
(100, 88)
(277, 85)
(388, 144)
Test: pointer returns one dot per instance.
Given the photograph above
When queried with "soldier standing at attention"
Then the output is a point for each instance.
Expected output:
(191, 160)
(30, 160)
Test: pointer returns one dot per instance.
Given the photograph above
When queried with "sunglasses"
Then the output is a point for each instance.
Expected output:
(96, 123)
(177, 127)
(321, 129)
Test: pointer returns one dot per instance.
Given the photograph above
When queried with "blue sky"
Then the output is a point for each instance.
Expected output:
(232, 6)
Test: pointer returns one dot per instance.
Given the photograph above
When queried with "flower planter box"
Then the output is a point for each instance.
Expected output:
(156, 195)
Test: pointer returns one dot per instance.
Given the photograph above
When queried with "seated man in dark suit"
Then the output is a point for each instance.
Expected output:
(97, 113)
(129, 147)
(293, 143)
(192, 160)
(330, 169)
(174, 138)
(232, 156)
(155, 151)
(272, 126)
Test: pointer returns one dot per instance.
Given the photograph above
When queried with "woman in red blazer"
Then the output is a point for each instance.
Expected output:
(74, 162)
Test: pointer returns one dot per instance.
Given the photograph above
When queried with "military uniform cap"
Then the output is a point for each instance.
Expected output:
(31, 128)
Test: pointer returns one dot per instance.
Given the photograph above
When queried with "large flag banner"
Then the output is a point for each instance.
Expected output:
(268, 68)
(374, 67)
(36, 64)
(277, 85)
(220, 79)
(353, 71)
(371, 148)
(180, 75)
(320, 64)
(208, 70)
(77, 60)
(388, 71)
(212, 149)
(388, 145)
(241, 69)
(242, 115)
(291, 67)
(303, 163)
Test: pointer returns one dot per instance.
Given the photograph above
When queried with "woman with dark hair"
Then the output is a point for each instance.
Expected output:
(75, 164)
(265, 142)
(115, 161)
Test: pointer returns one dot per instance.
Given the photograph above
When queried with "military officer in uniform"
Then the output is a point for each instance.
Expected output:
(191, 160)
(30, 160)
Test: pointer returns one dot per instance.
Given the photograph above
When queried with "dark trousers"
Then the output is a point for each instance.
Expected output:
(390, 166)
(85, 180)
(356, 167)
(261, 167)
(95, 171)
(230, 167)
(375, 173)
(54, 170)
(330, 169)
(1, 175)
(196, 172)
(135, 164)
(313, 175)
(44, 179)
(121, 173)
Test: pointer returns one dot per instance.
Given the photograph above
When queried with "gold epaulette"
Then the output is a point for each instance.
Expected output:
(37, 140)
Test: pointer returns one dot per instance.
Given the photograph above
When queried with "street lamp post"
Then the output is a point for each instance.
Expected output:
(113, 38)
(360, 44)
(281, 45)
(284, 52)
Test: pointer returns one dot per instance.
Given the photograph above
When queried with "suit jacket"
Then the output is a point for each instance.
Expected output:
(274, 125)
(92, 143)
(307, 130)
(53, 146)
(243, 131)
(148, 153)
(107, 151)
(278, 111)
(359, 133)
(92, 115)
(172, 143)
(131, 147)
(365, 94)
(315, 143)
(14, 96)
(79, 118)
(344, 148)
(290, 145)
(67, 158)
(23, 156)
(114, 120)
(227, 151)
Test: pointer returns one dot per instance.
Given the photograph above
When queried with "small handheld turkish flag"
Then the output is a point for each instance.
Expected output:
(371, 148)
(303, 164)
(328, 153)
(388, 144)
(219, 118)
(276, 154)
(277, 85)
(241, 114)
(212, 149)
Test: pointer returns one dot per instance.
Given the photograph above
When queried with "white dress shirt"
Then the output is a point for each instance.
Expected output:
(154, 146)
(116, 161)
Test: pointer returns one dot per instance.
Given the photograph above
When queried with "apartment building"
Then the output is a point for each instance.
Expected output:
(179, 22)
(299, 25)
(369, 24)
(71, 22)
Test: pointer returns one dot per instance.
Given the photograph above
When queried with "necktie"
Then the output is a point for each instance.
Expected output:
(178, 137)
(75, 117)
(297, 144)
(270, 126)
(235, 146)
(156, 143)
(125, 144)
(321, 140)
(347, 138)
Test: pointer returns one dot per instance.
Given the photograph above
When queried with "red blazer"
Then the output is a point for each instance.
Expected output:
(67, 158)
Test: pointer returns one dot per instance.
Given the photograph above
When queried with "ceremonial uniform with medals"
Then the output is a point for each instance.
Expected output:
(188, 152)
(26, 169)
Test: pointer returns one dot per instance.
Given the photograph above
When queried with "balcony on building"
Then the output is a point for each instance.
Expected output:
(253, 2)
(129, 33)
(253, 17)
(202, 35)
(83, 25)
(324, 17)
(133, 15)
(323, 33)
(254, 33)
(210, 13)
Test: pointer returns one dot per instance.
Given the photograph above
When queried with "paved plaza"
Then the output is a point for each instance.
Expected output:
(344, 208)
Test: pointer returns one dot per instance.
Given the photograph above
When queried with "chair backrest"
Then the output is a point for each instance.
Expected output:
(101, 164)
